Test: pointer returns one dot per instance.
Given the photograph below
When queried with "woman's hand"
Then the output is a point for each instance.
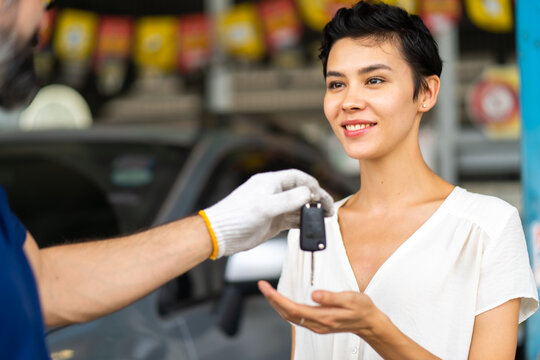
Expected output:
(348, 312)
(337, 312)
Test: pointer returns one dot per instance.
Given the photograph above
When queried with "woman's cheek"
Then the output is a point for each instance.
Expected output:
(326, 108)
(331, 107)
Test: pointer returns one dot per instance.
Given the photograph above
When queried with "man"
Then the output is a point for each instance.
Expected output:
(80, 282)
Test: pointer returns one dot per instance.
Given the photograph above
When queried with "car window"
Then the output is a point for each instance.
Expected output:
(66, 191)
(240, 166)
(206, 280)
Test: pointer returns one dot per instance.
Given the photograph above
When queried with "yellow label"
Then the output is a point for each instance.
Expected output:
(75, 34)
(317, 13)
(411, 6)
(155, 44)
(491, 15)
(240, 32)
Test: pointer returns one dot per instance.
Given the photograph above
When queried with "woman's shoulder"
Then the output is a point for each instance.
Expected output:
(472, 202)
(487, 211)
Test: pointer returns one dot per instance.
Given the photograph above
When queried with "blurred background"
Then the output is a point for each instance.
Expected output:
(150, 111)
(224, 62)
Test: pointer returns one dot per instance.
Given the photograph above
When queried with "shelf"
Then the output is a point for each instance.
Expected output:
(480, 155)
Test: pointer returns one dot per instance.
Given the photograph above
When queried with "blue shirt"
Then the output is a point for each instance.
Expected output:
(21, 322)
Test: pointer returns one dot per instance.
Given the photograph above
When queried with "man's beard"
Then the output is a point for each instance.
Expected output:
(18, 80)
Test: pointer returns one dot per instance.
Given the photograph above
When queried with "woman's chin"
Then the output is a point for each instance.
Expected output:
(359, 154)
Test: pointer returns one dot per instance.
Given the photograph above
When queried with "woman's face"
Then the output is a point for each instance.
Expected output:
(369, 98)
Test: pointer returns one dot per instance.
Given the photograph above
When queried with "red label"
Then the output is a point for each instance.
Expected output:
(114, 37)
(194, 42)
(440, 15)
(281, 24)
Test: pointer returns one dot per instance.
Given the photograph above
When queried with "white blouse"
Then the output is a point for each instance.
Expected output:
(469, 257)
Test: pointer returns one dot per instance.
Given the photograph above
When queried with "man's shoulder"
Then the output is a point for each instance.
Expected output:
(11, 229)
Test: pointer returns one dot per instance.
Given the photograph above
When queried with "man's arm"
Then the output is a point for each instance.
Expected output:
(80, 282)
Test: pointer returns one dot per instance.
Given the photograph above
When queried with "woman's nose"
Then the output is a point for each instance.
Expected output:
(353, 101)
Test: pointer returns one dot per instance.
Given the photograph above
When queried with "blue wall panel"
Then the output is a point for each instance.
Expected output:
(528, 47)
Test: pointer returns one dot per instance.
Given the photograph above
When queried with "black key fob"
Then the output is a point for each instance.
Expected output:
(312, 231)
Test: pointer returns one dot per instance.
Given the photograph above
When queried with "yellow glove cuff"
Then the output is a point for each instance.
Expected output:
(212, 235)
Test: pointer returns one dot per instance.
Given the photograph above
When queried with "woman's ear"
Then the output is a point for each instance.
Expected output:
(428, 95)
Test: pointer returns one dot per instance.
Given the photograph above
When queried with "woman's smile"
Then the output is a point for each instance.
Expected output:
(354, 128)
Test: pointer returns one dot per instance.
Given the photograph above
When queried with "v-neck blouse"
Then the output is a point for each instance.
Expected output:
(468, 257)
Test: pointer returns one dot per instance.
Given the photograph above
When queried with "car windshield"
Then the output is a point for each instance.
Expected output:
(66, 191)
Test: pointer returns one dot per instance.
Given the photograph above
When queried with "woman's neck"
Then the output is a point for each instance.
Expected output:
(398, 179)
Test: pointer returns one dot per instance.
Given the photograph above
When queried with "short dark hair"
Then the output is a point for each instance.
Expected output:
(385, 22)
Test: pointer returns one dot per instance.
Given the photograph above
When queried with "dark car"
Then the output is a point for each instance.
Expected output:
(103, 182)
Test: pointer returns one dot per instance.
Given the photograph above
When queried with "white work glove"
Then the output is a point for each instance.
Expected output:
(261, 208)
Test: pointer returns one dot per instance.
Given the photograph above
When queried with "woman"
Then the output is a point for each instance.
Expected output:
(416, 268)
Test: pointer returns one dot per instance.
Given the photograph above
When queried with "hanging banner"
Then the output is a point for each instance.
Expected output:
(317, 13)
(113, 49)
(313, 13)
(491, 15)
(46, 30)
(75, 35)
(282, 28)
(194, 42)
(155, 43)
(240, 32)
(74, 42)
(440, 15)
(492, 102)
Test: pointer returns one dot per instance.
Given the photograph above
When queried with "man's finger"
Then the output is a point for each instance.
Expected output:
(286, 180)
(296, 178)
(293, 178)
(289, 201)
(327, 202)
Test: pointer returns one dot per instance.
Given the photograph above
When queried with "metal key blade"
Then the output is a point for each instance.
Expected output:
(312, 266)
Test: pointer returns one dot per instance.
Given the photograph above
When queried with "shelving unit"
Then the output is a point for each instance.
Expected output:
(479, 155)
(464, 150)
(294, 97)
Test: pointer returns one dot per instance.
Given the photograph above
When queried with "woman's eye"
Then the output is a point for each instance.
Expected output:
(375, 81)
(335, 85)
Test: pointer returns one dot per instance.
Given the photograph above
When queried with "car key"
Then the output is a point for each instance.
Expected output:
(312, 231)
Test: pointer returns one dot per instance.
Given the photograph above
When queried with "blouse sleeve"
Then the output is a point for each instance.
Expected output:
(505, 271)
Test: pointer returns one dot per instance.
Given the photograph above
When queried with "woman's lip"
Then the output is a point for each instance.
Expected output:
(357, 122)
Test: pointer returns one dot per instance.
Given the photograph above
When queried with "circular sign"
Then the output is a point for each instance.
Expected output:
(493, 102)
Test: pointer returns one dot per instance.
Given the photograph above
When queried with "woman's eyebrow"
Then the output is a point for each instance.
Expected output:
(361, 71)
(374, 67)
(334, 73)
